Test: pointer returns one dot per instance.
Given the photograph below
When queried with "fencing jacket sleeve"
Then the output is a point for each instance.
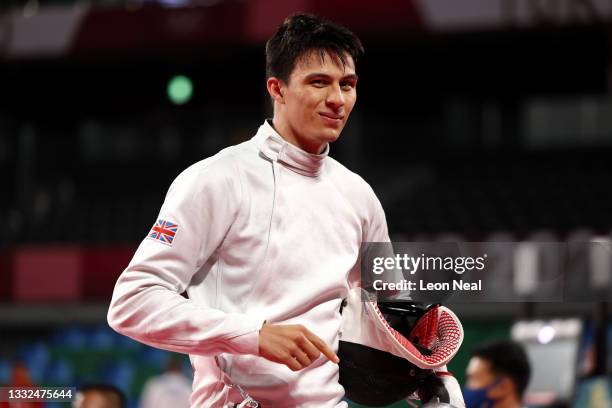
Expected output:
(202, 202)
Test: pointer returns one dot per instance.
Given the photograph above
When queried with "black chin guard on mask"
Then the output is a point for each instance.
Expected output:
(376, 378)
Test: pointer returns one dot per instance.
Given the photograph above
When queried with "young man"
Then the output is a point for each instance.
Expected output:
(264, 237)
(497, 376)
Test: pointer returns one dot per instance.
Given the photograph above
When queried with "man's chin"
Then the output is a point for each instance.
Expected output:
(331, 135)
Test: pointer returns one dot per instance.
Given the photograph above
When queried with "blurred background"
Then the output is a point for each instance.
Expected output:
(477, 120)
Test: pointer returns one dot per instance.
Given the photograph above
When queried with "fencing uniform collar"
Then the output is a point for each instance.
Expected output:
(275, 148)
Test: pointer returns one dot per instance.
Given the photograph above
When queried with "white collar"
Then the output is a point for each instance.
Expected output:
(275, 148)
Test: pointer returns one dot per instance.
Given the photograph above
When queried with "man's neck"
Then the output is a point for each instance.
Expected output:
(285, 131)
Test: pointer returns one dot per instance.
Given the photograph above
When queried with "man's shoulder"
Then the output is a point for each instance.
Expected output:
(222, 165)
(348, 178)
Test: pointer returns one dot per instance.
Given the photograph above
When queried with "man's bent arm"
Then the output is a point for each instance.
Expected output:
(145, 310)
(147, 306)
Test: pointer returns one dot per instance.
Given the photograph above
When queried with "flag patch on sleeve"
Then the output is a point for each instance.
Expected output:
(163, 231)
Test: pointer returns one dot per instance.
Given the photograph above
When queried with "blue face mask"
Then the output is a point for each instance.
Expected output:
(477, 397)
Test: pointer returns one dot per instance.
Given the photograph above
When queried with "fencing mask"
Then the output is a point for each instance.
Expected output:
(390, 350)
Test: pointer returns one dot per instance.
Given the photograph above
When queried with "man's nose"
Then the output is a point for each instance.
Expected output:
(335, 97)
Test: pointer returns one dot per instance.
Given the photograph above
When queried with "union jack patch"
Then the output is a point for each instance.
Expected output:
(163, 231)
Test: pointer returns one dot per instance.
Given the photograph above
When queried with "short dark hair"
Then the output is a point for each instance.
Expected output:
(507, 358)
(113, 394)
(302, 33)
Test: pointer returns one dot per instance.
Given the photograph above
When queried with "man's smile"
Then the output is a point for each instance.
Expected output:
(332, 118)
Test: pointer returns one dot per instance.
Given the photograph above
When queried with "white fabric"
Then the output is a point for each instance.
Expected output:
(168, 390)
(454, 391)
(266, 231)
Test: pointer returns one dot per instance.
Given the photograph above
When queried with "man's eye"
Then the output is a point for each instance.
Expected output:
(347, 86)
(318, 82)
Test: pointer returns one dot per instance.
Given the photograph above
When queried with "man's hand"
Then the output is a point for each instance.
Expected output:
(292, 345)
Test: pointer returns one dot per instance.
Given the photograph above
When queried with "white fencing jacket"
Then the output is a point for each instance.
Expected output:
(262, 231)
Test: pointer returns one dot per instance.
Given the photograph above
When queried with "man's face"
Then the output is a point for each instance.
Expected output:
(479, 374)
(316, 102)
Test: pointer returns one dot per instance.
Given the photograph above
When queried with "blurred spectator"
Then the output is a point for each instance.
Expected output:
(20, 377)
(99, 396)
(497, 376)
(168, 390)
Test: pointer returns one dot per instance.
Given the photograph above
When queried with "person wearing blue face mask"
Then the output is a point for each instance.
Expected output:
(497, 376)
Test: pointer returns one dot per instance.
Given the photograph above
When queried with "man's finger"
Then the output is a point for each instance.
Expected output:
(321, 345)
(310, 350)
(302, 357)
(293, 363)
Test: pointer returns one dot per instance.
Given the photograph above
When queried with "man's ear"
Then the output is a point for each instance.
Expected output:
(275, 89)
